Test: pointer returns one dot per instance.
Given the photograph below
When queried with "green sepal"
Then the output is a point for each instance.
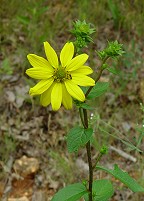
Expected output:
(77, 137)
(123, 177)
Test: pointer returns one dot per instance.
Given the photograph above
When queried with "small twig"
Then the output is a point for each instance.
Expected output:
(97, 160)
(123, 154)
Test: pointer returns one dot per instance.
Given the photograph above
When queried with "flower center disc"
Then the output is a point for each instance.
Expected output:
(60, 75)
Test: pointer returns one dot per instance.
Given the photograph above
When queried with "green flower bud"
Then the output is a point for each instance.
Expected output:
(104, 150)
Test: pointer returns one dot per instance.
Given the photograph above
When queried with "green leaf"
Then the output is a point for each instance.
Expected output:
(124, 178)
(113, 70)
(23, 19)
(131, 146)
(128, 143)
(71, 192)
(82, 105)
(78, 136)
(102, 190)
(6, 68)
(86, 106)
(98, 89)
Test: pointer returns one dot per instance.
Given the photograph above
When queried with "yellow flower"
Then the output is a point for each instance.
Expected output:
(59, 80)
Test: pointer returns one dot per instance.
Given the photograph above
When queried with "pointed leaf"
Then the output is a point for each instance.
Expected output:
(78, 136)
(124, 178)
(98, 89)
(83, 105)
(113, 70)
(86, 106)
(71, 192)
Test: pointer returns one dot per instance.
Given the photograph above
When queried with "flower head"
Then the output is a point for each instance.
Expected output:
(59, 80)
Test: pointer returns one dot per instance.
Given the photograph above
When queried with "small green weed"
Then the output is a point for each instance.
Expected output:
(8, 147)
(62, 165)
(6, 68)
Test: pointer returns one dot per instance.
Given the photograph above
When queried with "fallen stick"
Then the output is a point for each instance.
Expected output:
(123, 154)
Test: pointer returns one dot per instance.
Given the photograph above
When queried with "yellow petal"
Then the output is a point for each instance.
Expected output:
(51, 55)
(74, 90)
(39, 62)
(67, 53)
(82, 80)
(77, 62)
(56, 96)
(41, 86)
(45, 98)
(66, 98)
(85, 70)
(40, 73)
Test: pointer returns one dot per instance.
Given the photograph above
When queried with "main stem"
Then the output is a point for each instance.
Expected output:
(88, 148)
(84, 120)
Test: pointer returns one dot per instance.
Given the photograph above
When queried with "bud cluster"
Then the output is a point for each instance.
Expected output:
(113, 50)
(82, 32)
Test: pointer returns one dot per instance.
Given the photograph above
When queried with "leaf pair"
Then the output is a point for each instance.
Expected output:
(102, 191)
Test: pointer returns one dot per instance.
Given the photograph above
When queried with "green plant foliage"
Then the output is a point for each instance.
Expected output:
(83, 29)
(61, 164)
(82, 105)
(86, 106)
(102, 190)
(82, 32)
(6, 67)
(104, 150)
(113, 50)
(115, 12)
(7, 147)
(113, 70)
(140, 129)
(24, 20)
(123, 177)
(130, 145)
(108, 130)
(99, 89)
(71, 192)
(78, 136)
